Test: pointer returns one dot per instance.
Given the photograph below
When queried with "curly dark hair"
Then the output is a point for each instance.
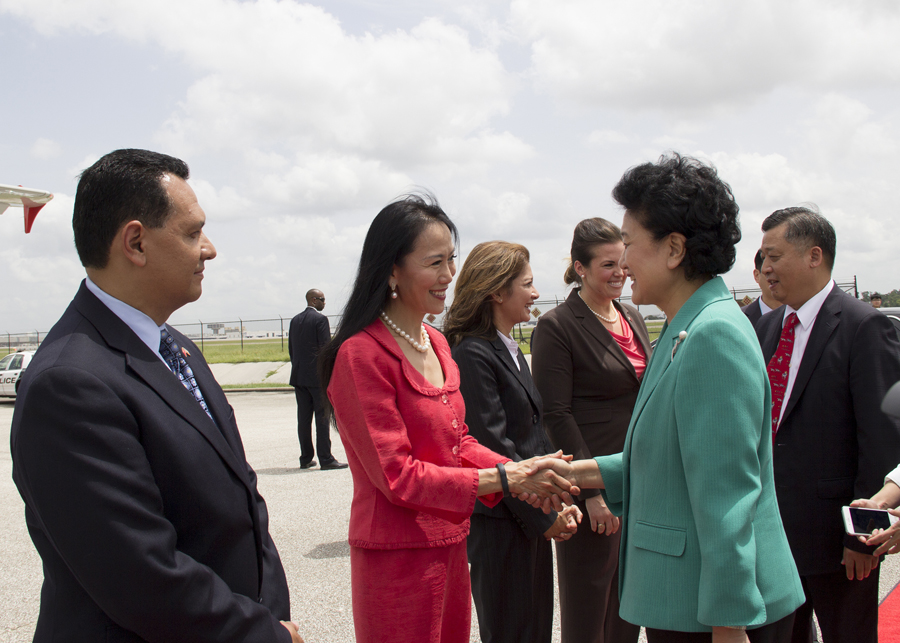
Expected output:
(682, 194)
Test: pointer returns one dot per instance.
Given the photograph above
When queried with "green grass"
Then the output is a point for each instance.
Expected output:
(257, 385)
(255, 350)
(654, 327)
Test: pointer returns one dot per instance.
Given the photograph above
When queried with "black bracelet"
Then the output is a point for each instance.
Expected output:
(504, 482)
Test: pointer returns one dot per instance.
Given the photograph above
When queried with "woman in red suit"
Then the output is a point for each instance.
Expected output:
(394, 389)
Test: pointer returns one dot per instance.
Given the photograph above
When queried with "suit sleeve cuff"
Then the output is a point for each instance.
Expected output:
(611, 468)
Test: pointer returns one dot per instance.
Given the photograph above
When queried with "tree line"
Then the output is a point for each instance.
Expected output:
(888, 299)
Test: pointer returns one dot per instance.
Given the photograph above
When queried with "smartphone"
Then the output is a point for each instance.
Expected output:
(860, 521)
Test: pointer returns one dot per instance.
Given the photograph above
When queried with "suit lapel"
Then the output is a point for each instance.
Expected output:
(154, 372)
(826, 323)
(158, 377)
(712, 291)
(596, 330)
(641, 336)
(506, 357)
(217, 404)
(656, 367)
(771, 336)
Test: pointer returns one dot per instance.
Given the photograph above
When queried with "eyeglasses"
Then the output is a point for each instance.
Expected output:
(319, 298)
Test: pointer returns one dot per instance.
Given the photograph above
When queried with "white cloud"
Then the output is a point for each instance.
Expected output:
(698, 57)
(329, 182)
(45, 149)
(300, 122)
(607, 137)
(75, 170)
(40, 270)
(280, 80)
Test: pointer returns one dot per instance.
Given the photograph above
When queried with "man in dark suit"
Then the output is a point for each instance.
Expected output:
(309, 332)
(831, 442)
(138, 495)
(765, 302)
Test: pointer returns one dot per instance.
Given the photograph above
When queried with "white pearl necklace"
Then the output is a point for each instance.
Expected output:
(426, 340)
(599, 316)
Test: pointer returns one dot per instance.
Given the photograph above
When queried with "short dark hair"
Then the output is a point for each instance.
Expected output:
(875, 295)
(758, 259)
(390, 239)
(681, 194)
(589, 234)
(123, 186)
(805, 225)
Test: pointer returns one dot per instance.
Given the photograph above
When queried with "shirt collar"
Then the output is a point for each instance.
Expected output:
(763, 307)
(806, 315)
(511, 345)
(144, 327)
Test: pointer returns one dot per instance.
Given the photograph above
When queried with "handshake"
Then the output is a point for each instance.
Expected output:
(547, 481)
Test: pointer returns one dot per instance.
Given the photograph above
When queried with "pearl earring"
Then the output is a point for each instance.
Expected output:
(393, 292)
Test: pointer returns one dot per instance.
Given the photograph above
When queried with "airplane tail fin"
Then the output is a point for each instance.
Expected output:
(31, 211)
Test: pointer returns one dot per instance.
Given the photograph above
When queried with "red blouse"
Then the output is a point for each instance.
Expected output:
(412, 460)
(631, 347)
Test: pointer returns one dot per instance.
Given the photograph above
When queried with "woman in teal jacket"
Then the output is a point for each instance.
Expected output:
(703, 549)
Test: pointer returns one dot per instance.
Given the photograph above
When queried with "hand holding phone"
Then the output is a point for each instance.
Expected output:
(862, 521)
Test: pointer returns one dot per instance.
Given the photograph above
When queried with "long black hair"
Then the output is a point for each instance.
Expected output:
(391, 237)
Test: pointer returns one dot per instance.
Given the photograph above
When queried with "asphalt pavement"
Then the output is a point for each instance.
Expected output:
(309, 513)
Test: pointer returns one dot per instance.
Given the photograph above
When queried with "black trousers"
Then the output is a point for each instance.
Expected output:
(512, 581)
(847, 610)
(588, 569)
(777, 632)
(309, 403)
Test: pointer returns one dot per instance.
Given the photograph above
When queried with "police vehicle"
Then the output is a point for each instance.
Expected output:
(11, 368)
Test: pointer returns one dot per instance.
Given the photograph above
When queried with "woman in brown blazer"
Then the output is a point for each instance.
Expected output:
(588, 357)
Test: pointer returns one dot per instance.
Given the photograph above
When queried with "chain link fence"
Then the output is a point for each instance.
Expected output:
(275, 330)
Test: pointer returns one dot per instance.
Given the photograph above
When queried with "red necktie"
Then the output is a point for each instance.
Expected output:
(779, 367)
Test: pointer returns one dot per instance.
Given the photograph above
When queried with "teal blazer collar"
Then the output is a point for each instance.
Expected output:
(666, 351)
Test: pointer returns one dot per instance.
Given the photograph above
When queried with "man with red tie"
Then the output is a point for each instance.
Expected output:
(831, 359)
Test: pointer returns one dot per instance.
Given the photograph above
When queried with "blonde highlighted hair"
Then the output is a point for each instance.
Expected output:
(490, 267)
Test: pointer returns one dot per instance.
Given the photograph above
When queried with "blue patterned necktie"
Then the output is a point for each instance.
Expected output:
(171, 352)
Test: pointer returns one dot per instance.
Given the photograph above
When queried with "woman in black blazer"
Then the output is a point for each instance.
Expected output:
(508, 545)
(588, 355)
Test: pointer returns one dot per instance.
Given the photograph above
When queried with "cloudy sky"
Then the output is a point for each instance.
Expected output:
(301, 121)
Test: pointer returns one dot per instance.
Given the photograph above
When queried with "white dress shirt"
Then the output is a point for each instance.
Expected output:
(144, 327)
(806, 317)
(763, 308)
(893, 476)
(512, 346)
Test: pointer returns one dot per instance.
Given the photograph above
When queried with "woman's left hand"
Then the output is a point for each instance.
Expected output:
(887, 539)
(729, 635)
(602, 519)
(572, 515)
(566, 524)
